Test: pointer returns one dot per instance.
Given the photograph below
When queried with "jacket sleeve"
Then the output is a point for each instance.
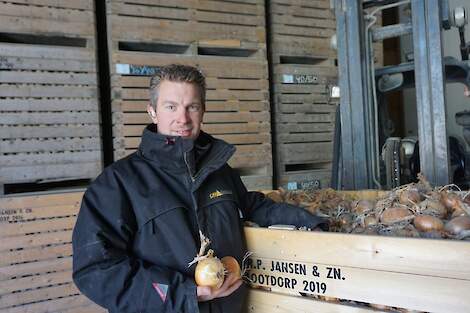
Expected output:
(104, 267)
(256, 207)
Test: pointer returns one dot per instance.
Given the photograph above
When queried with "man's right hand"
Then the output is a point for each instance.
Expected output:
(231, 283)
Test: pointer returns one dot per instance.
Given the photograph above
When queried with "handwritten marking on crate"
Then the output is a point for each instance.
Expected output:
(299, 79)
(131, 69)
(294, 276)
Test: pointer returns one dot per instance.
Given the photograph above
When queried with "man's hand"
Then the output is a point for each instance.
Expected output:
(231, 283)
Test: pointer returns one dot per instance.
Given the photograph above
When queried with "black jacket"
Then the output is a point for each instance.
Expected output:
(138, 225)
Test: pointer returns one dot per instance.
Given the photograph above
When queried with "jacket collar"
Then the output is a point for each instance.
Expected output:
(199, 157)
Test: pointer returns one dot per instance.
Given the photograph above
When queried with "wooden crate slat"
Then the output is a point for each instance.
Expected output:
(293, 153)
(48, 78)
(72, 199)
(36, 91)
(44, 225)
(35, 254)
(68, 4)
(45, 52)
(51, 172)
(12, 24)
(302, 31)
(292, 128)
(270, 302)
(24, 118)
(42, 294)
(305, 108)
(34, 282)
(282, 19)
(27, 63)
(58, 237)
(18, 270)
(305, 137)
(43, 145)
(305, 118)
(47, 13)
(55, 305)
(43, 131)
(302, 11)
(321, 4)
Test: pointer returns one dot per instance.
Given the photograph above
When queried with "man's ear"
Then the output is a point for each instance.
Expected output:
(152, 113)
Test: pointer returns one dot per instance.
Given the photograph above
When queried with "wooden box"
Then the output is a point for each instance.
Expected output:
(36, 254)
(49, 110)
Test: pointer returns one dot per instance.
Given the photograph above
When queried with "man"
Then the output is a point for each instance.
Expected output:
(138, 227)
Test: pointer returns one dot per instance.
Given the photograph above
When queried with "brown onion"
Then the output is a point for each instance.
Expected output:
(427, 223)
(395, 214)
(410, 197)
(433, 207)
(231, 266)
(370, 220)
(364, 206)
(449, 199)
(458, 224)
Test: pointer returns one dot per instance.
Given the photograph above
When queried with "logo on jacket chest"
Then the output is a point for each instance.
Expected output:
(219, 193)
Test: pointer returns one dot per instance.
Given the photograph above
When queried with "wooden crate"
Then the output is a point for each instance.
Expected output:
(205, 23)
(304, 124)
(36, 254)
(301, 28)
(49, 110)
(212, 35)
(416, 274)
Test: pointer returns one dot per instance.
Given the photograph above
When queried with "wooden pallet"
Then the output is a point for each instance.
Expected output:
(49, 110)
(36, 254)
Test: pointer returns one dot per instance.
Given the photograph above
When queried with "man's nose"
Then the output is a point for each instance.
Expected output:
(183, 116)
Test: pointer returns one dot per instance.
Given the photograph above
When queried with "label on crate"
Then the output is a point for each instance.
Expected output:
(307, 79)
(304, 185)
(291, 276)
(131, 69)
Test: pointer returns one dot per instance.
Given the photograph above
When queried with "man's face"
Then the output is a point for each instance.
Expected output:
(179, 109)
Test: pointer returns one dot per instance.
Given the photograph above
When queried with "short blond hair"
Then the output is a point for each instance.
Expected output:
(177, 73)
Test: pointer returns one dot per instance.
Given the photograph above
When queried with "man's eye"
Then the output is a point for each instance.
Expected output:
(194, 108)
(170, 107)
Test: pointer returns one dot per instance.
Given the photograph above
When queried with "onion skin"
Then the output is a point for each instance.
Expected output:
(457, 225)
(394, 215)
(427, 223)
(210, 272)
(231, 266)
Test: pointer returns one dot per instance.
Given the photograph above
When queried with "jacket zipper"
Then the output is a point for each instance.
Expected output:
(192, 180)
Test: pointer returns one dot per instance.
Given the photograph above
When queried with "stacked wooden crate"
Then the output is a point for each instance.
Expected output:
(303, 72)
(49, 112)
(226, 40)
(36, 254)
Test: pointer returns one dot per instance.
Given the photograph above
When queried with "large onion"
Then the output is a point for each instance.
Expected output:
(433, 207)
(210, 272)
(458, 224)
(427, 223)
(395, 215)
(410, 197)
(449, 199)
